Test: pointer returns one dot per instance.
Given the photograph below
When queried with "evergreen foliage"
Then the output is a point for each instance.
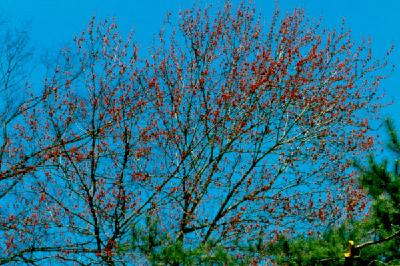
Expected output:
(160, 249)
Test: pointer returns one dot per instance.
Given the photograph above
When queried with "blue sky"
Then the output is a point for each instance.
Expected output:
(53, 23)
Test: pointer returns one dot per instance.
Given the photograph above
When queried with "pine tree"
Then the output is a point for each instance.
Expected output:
(374, 240)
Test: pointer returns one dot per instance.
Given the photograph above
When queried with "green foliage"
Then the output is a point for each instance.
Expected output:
(177, 254)
(158, 248)
(325, 249)
(384, 185)
(330, 247)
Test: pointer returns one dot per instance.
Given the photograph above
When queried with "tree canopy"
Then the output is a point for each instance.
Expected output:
(228, 135)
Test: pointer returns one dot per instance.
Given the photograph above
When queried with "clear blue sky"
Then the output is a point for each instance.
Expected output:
(55, 22)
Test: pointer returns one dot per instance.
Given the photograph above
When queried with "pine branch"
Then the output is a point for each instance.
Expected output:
(369, 243)
(394, 144)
